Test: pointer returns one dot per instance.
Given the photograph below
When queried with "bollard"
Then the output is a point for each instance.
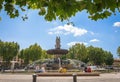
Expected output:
(34, 77)
(74, 77)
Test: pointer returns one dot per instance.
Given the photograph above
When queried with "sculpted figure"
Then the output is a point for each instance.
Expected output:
(57, 46)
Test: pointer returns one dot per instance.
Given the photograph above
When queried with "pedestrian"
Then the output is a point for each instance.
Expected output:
(85, 69)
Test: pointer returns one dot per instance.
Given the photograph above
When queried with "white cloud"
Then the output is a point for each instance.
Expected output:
(92, 33)
(94, 40)
(73, 43)
(116, 24)
(68, 29)
(50, 32)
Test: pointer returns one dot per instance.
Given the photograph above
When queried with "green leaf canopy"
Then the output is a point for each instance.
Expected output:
(61, 9)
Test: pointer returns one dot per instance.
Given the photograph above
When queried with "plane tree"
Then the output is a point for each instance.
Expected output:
(95, 55)
(31, 54)
(8, 50)
(118, 51)
(78, 51)
(61, 9)
(98, 56)
(108, 58)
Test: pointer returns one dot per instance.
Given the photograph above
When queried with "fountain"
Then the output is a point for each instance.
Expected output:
(52, 65)
(57, 52)
(56, 62)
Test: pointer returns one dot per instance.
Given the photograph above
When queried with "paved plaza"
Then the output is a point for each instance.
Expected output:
(111, 77)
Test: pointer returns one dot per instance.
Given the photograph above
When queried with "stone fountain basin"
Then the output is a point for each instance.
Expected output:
(57, 51)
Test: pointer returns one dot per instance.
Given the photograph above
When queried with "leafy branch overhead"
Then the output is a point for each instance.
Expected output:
(61, 9)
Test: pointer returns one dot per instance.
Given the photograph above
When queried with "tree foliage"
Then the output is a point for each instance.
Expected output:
(118, 51)
(96, 55)
(24, 54)
(44, 55)
(90, 54)
(31, 54)
(108, 58)
(61, 9)
(8, 50)
(78, 51)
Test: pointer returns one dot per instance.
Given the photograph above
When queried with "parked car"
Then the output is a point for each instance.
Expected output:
(93, 68)
(109, 67)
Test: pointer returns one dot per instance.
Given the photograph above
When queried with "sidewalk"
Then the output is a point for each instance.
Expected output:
(112, 77)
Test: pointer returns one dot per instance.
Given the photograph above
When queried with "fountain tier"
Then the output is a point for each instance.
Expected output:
(57, 50)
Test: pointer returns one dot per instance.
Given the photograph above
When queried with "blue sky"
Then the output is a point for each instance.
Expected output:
(102, 33)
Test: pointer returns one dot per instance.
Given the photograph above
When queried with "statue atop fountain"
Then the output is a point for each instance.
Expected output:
(57, 45)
